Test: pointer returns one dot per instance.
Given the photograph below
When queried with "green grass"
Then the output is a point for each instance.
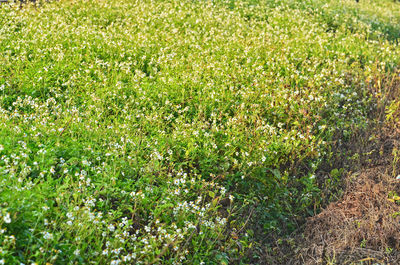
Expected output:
(148, 131)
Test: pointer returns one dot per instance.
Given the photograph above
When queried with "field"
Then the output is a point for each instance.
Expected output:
(185, 132)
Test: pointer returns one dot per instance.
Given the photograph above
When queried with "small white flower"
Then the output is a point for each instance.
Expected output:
(115, 262)
(47, 236)
(7, 218)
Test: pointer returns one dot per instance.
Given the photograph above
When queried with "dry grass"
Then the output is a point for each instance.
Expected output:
(363, 226)
(364, 219)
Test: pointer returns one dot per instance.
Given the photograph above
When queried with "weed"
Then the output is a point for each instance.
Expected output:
(176, 131)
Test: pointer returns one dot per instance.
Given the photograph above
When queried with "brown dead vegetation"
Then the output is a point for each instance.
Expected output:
(363, 226)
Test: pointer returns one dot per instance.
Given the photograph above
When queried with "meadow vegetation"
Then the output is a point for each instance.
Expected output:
(173, 132)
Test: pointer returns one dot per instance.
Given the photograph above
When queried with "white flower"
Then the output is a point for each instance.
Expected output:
(7, 218)
(115, 262)
(76, 252)
(47, 236)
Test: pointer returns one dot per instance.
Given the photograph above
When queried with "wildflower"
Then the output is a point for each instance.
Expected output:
(7, 218)
(47, 236)
(111, 227)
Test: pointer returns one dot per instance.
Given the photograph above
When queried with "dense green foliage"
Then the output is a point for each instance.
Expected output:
(147, 131)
